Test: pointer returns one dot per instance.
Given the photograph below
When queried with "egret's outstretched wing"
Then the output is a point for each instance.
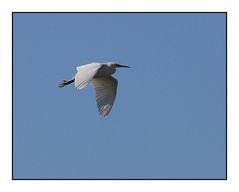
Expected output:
(105, 90)
(84, 74)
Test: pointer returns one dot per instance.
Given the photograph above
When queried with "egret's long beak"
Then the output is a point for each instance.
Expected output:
(123, 66)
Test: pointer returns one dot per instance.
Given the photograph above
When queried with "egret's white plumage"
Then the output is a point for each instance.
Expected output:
(99, 75)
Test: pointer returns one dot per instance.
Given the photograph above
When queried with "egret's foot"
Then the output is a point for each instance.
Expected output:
(62, 84)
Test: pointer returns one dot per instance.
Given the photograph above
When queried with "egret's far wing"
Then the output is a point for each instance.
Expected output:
(105, 90)
(84, 74)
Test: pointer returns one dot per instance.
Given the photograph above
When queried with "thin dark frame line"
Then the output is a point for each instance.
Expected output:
(95, 179)
(12, 100)
(226, 135)
(226, 89)
(120, 12)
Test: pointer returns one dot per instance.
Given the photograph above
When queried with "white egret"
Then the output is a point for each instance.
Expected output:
(99, 75)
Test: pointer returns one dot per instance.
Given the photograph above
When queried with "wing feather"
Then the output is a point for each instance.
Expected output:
(105, 90)
(84, 74)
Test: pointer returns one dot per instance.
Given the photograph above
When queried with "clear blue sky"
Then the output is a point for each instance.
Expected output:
(168, 120)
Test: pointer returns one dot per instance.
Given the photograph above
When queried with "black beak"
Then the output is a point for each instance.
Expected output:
(122, 66)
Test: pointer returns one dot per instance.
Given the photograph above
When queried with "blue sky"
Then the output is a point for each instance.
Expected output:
(168, 120)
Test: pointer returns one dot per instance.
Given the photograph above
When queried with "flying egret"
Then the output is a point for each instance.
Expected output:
(99, 75)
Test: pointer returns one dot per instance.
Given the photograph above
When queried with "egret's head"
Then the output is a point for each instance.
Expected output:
(116, 65)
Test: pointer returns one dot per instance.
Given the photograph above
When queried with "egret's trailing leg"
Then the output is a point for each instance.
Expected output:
(65, 82)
